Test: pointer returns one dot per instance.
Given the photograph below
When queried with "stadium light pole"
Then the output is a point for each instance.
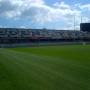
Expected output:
(81, 19)
(82, 39)
(74, 26)
(74, 22)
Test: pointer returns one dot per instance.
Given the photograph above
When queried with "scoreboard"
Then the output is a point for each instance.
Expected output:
(85, 27)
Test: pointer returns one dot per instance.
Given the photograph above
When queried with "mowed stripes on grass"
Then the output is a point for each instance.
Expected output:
(45, 68)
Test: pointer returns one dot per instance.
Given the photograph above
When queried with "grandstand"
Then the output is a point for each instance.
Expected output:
(12, 36)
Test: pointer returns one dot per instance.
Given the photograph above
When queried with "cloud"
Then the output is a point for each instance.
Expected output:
(85, 6)
(35, 8)
(38, 11)
(8, 9)
(61, 5)
(15, 8)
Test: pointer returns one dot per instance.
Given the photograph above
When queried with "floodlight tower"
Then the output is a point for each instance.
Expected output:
(74, 22)
(81, 19)
(74, 27)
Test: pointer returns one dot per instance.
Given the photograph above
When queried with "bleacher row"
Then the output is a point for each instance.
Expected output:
(14, 35)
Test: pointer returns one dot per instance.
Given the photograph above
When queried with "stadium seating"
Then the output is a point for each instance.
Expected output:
(14, 35)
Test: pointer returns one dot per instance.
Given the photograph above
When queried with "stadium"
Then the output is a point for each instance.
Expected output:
(44, 44)
(11, 37)
(44, 59)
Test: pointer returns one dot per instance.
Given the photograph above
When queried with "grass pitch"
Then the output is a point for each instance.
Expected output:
(45, 68)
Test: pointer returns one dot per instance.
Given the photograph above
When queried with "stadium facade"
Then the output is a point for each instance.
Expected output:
(28, 36)
(85, 27)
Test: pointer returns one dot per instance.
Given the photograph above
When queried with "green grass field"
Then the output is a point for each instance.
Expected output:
(45, 68)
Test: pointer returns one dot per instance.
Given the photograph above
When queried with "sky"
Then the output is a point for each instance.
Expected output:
(49, 14)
